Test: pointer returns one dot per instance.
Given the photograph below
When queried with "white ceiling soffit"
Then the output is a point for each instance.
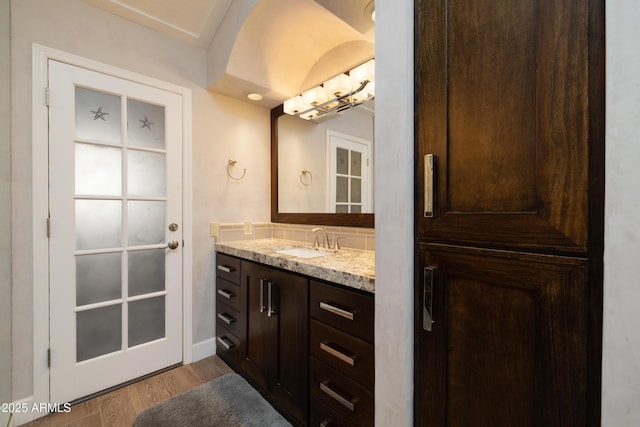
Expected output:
(193, 21)
(287, 46)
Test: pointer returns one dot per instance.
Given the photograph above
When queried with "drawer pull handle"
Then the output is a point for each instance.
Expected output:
(226, 294)
(225, 343)
(326, 422)
(335, 310)
(338, 354)
(226, 269)
(349, 404)
(226, 318)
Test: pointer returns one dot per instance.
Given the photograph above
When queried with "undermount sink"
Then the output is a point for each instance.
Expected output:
(303, 252)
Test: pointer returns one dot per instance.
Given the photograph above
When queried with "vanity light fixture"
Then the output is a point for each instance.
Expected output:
(337, 94)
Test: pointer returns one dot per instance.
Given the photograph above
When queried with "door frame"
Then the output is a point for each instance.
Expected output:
(40, 175)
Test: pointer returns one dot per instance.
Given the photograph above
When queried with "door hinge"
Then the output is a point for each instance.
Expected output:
(48, 358)
(49, 228)
(48, 96)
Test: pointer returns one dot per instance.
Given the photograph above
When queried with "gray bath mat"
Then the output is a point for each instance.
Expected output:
(227, 401)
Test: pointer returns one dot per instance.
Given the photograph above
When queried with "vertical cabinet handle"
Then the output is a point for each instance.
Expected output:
(427, 297)
(273, 298)
(263, 306)
(428, 185)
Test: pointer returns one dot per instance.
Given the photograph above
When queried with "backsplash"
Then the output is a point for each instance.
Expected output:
(353, 237)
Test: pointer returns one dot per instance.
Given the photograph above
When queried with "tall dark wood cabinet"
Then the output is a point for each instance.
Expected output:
(509, 125)
(274, 352)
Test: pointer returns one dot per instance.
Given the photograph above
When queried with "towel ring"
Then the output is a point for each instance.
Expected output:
(231, 164)
(303, 173)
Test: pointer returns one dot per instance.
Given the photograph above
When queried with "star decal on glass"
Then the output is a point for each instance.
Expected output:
(146, 123)
(99, 114)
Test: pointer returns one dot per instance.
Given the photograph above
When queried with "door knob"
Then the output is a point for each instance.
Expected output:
(173, 226)
(173, 244)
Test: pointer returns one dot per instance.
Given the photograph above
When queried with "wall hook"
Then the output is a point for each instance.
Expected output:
(231, 163)
(304, 181)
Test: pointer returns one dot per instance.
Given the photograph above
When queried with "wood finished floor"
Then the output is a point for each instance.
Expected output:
(119, 408)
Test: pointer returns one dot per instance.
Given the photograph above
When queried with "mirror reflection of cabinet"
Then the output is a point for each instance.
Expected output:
(299, 145)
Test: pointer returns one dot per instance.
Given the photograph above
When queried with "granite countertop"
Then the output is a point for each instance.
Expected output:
(349, 267)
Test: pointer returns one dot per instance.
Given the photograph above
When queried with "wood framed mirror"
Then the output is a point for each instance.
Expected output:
(289, 215)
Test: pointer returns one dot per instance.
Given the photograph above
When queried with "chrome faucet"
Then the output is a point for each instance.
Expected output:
(327, 243)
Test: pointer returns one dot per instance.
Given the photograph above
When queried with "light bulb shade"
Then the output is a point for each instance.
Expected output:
(314, 96)
(338, 86)
(310, 115)
(294, 105)
(363, 72)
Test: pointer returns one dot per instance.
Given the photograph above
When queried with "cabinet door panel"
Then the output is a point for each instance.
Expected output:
(289, 329)
(508, 342)
(255, 350)
(502, 101)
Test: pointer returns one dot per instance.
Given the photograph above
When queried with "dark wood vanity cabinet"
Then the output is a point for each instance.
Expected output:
(274, 354)
(509, 114)
(341, 361)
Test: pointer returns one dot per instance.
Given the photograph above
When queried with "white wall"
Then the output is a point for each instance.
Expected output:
(222, 128)
(621, 356)
(393, 163)
(5, 206)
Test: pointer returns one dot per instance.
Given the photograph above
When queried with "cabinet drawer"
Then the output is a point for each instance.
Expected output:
(228, 293)
(346, 353)
(343, 395)
(227, 344)
(349, 311)
(228, 268)
(322, 416)
(228, 318)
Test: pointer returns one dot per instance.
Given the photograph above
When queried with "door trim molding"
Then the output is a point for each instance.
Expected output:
(40, 171)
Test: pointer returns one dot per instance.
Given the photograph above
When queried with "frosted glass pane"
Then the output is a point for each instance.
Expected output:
(342, 209)
(146, 271)
(342, 161)
(97, 116)
(356, 209)
(146, 320)
(98, 332)
(98, 278)
(146, 223)
(98, 224)
(356, 163)
(147, 174)
(98, 170)
(145, 124)
(356, 190)
(342, 189)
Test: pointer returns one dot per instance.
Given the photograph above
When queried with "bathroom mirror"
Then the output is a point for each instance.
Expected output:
(322, 171)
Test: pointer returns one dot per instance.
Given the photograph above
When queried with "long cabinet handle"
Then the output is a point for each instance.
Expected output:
(226, 269)
(226, 318)
(428, 185)
(225, 293)
(263, 306)
(338, 354)
(427, 297)
(273, 298)
(335, 310)
(326, 422)
(223, 342)
(349, 404)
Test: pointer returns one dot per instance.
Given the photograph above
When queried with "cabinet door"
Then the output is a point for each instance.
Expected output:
(289, 326)
(504, 95)
(508, 342)
(256, 341)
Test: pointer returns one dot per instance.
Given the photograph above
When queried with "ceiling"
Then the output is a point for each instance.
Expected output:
(280, 47)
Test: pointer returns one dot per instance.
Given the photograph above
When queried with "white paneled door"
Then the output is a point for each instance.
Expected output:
(115, 199)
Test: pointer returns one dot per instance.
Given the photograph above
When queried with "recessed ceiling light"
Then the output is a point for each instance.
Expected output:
(254, 96)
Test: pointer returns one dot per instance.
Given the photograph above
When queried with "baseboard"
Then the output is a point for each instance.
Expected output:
(19, 418)
(204, 349)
